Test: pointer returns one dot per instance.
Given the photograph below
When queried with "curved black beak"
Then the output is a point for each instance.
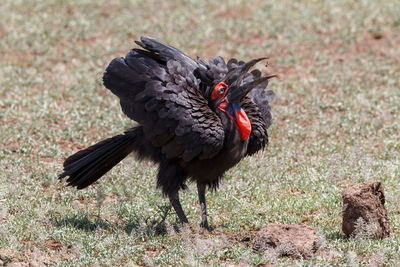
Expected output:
(235, 77)
(236, 94)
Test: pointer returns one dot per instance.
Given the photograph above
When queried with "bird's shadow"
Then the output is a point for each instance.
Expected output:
(151, 226)
(83, 222)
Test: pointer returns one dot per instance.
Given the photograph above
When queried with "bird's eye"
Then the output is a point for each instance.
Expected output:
(219, 90)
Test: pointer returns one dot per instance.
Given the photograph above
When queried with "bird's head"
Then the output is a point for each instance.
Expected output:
(227, 94)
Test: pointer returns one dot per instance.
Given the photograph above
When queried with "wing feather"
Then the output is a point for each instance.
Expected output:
(166, 99)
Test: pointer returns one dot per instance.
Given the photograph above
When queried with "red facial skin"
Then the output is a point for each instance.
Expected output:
(241, 121)
(219, 91)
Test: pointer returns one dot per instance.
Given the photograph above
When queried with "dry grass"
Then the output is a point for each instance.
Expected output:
(335, 123)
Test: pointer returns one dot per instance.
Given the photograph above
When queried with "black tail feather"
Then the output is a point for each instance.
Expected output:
(87, 166)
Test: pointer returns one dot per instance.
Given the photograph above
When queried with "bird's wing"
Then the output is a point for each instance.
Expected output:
(157, 88)
(167, 52)
(257, 108)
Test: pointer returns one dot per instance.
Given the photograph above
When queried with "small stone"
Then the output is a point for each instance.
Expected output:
(287, 240)
(364, 212)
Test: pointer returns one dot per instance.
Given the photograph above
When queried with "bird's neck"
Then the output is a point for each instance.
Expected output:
(238, 117)
(232, 133)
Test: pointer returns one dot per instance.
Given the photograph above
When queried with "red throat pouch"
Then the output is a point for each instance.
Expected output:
(243, 124)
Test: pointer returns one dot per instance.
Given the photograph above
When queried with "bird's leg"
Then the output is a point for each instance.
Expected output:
(201, 189)
(174, 199)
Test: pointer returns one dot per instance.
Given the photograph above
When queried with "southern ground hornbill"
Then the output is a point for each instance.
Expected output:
(196, 119)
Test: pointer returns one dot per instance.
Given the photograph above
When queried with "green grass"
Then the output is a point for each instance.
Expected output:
(336, 123)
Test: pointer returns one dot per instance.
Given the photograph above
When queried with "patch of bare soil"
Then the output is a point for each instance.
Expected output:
(37, 257)
(291, 240)
(364, 212)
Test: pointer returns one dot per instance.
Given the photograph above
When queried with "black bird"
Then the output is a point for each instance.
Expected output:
(196, 119)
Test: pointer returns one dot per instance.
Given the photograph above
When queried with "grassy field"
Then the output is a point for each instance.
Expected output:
(336, 123)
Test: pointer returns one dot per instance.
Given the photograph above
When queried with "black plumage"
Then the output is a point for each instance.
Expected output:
(196, 119)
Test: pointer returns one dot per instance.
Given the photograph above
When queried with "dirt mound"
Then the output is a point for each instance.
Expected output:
(287, 240)
(364, 212)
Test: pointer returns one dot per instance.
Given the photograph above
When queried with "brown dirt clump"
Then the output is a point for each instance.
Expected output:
(364, 212)
(287, 240)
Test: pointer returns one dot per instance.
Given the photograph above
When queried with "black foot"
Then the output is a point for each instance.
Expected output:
(205, 225)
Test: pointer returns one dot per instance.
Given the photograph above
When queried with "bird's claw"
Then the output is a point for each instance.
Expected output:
(204, 224)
